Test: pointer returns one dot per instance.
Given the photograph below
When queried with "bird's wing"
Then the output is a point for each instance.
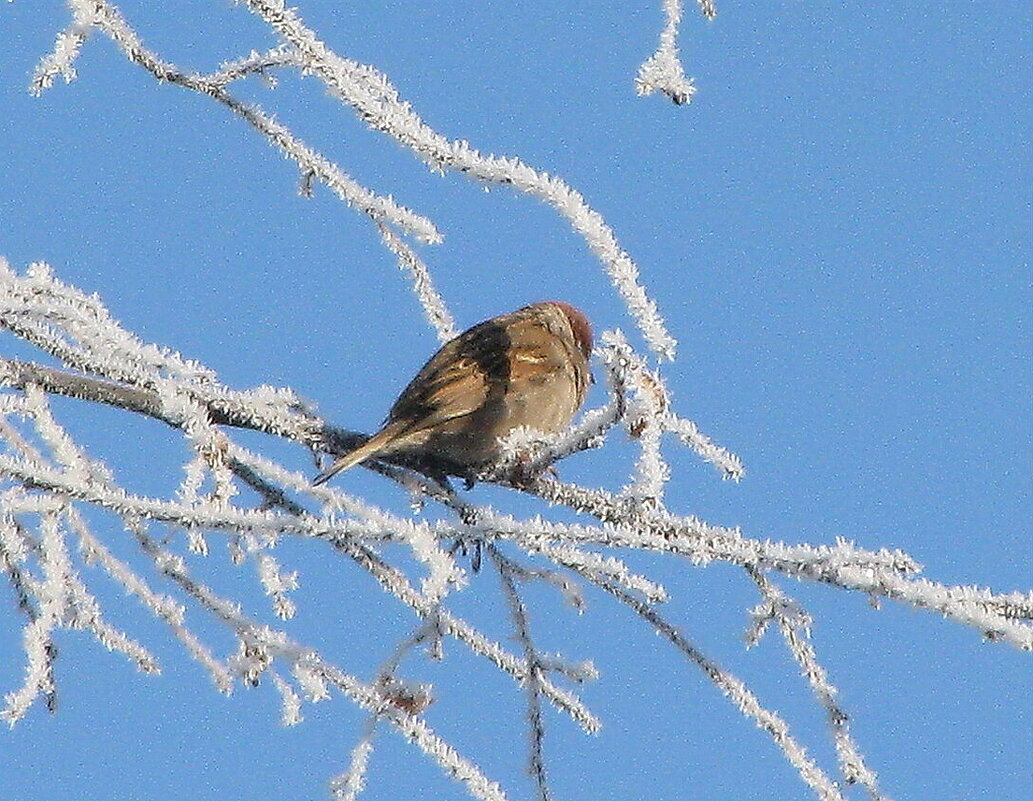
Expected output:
(458, 379)
(465, 374)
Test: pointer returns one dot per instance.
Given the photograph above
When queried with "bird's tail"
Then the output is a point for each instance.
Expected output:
(374, 446)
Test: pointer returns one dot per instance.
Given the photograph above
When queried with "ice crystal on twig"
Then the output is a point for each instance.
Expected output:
(62, 507)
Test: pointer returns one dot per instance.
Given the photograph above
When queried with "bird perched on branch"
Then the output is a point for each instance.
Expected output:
(527, 368)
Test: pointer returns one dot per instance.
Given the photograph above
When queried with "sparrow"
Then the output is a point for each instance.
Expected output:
(526, 368)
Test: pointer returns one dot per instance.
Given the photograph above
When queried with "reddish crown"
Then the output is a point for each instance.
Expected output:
(579, 326)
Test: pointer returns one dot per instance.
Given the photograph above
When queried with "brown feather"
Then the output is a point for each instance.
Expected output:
(529, 367)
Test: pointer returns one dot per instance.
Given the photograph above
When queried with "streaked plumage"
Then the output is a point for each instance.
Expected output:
(526, 368)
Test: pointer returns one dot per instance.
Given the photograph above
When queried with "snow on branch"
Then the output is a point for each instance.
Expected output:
(63, 509)
(795, 626)
(103, 16)
(50, 480)
(736, 690)
(376, 100)
(663, 70)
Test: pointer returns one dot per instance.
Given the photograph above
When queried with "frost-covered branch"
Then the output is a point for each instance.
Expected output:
(379, 105)
(105, 17)
(735, 689)
(377, 102)
(49, 482)
(795, 625)
(53, 490)
(663, 70)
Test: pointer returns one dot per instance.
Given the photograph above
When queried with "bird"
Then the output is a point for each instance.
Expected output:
(527, 368)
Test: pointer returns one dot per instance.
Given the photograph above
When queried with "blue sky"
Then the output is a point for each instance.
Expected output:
(839, 232)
